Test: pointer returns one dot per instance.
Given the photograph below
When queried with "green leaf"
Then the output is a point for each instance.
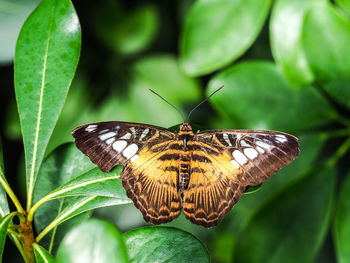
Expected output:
(42, 255)
(4, 223)
(257, 96)
(218, 32)
(292, 227)
(94, 182)
(42, 78)
(12, 16)
(344, 4)
(327, 55)
(286, 26)
(126, 31)
(61, 166)
(93, 241)
(4, 207)
(342, 223)
(164, 244)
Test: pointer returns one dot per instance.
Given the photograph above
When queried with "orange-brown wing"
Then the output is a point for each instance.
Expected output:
(225, 162)
(258, 154)
(211, 191)
(151, 182)
(148, 180)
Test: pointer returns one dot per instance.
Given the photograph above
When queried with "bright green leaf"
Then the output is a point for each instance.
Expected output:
(327, 55)
(292, 227)
(342, 224)
(47, 54)
(4, 223)
(218, 32)
(344, 4)
(257, 96)
(164, 244)
(42, 255)
(286, 27)
(4, 207)
(93, 241)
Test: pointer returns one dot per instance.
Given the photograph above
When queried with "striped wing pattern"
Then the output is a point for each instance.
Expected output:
(205, 176)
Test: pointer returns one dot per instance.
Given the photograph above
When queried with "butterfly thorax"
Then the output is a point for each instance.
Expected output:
(185, 135)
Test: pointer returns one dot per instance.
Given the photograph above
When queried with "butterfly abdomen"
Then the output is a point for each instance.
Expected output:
(184, 173)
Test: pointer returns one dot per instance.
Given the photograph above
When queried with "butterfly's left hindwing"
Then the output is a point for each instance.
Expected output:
(149, 181)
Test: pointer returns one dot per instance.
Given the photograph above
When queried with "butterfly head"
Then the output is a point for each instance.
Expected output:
(185, 127)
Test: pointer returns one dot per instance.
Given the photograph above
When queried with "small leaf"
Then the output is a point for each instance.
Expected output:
(292, 227)
(257, 96)
(342, 223)
(218, 32)
(42, 78)
(93, 241)
(4, 207)
(328, 56)
(4, 223)
(164, 244)
(286, 26)
(42, 255)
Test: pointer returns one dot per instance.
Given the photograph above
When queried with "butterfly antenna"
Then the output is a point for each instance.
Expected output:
(168, 103)
(207, 98)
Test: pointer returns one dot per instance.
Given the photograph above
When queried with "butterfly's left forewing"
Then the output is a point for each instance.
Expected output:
(148, 180)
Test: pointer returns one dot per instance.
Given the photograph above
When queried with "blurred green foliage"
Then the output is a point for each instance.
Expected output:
(285, 66)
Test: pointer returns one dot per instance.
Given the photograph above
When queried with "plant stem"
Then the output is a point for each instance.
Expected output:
(10, 193)
(26, 237)
(340, 152)
(36, 206)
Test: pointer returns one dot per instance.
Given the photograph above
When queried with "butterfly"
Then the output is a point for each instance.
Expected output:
(203, 173)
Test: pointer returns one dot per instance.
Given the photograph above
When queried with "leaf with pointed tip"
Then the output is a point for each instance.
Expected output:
(104, 244)
(292, 226)
(42, 255)
(164, 244)
(218, 32)
(4, 207)
(277, 106)
(342, 223)
(47, 54)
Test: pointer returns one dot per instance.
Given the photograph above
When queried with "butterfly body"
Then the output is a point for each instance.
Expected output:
(204, 173)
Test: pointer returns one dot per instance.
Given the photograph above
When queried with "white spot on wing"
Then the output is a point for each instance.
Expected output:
(238, 136)
(250, 153)
(132, 129)
(91, 128)
(117, 127)
(103, 131)
(119, 145)
(144, 133)
(281, 138)
(126, 136)
(264, 145)
(244, 143)
(130, 151)
(134, 158)
(235, 164)
(109, 141)
(227, 139)
(239, 157)
(107, 135)
(261, 150)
